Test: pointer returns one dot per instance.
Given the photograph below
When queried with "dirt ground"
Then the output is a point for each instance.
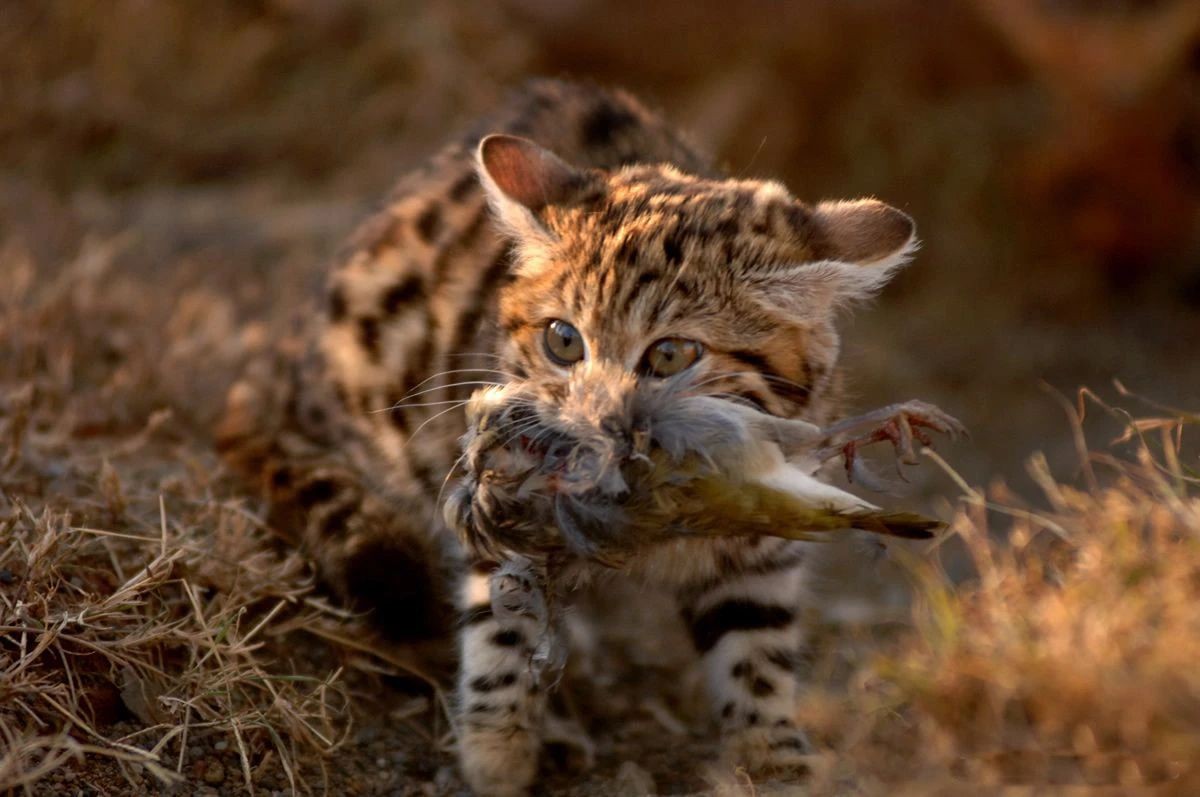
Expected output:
(174, 178)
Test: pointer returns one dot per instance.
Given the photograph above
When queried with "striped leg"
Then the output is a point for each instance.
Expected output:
(747, 628)
(500, 704)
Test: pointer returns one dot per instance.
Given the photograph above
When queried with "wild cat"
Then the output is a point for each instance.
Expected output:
(577, 243)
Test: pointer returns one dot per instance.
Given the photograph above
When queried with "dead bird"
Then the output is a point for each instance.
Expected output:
(707, 467)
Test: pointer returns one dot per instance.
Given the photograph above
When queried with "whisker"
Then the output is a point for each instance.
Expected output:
(428, 421)
(410, 394)
(399, 405)
(462, 371)
(449, 473)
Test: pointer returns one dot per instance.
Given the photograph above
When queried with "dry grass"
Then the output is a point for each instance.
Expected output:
(136, 590)
(1069, 661)
(97, 623)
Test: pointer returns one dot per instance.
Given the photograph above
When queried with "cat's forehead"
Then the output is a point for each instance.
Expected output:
(656, 215)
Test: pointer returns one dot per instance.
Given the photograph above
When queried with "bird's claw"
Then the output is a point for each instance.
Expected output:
(902, 425)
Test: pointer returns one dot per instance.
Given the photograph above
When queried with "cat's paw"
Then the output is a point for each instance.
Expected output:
(499, 762)
(779, 749)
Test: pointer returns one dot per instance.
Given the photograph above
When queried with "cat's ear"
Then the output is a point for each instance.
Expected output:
(522, 179)
(857, 247)
(866, 232)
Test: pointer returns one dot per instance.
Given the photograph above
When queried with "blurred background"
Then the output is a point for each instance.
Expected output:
(1049, 150)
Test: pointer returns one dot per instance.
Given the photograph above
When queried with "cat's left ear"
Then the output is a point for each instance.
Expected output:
(522, 179)
(866, 233)
(857, 246)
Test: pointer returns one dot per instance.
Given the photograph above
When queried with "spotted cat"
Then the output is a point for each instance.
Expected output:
(575, 241)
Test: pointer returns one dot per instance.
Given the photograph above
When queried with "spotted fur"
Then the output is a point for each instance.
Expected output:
(612, 221)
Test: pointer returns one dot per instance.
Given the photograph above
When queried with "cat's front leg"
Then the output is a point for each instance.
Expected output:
(746, 624)
(500, 703)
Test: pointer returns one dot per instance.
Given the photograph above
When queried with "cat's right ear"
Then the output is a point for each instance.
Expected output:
(522, 179)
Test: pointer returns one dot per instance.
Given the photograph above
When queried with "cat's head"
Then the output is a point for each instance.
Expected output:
(645, 282)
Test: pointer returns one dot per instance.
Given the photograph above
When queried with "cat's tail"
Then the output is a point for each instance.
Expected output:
(374, 553)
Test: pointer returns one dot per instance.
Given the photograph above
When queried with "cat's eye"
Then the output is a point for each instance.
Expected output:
(564, 344)
(669, 356)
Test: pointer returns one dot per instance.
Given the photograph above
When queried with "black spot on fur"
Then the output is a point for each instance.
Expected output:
(281, 479)
(727, 710)
(401, 294)
(337, 304)
(752, 718)
(761, 687)
(727, 227)
(508, 638)
(317, 491)
(368, 336)
(736, 615)
(394, 579)
(429, 223)
(672, 248)
(315, 415)
(605, 123)
(464, 186)
(490, 684)
(643, 280)
(741, 669)
(801, 223)
(397, 414)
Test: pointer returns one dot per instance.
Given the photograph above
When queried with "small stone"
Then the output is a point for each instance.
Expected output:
(633, 781)
(214, 773)
(195, 751)
(381, 762)
(221, 746)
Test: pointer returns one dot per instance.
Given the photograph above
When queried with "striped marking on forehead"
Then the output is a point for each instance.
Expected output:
(654, 215)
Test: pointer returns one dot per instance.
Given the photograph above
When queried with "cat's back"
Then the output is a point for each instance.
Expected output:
(411, 298)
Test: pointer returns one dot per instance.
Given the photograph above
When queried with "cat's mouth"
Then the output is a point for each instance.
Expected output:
(529, 482)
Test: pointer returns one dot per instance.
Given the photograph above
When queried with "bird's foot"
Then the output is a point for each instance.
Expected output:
(900, 424)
